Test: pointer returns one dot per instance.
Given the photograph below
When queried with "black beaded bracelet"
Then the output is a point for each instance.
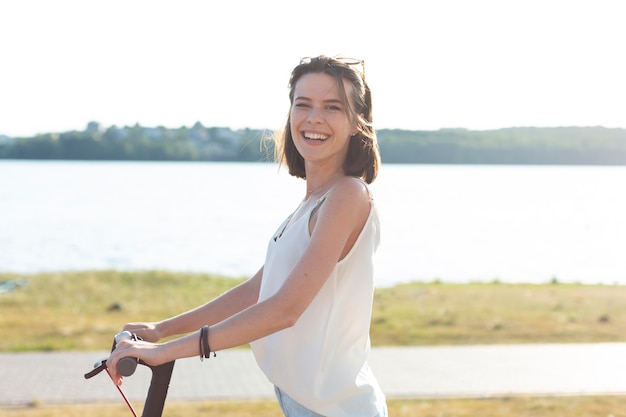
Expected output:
(205, 350)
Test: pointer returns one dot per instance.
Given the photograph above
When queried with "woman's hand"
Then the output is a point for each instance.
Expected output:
(150, 353)
(146, 331)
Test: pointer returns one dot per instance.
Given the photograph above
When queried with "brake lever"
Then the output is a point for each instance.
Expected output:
(126, 366)
(98, 367)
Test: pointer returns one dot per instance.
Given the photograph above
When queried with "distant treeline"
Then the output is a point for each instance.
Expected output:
(519, 145)
(132, 143)
(527, 145)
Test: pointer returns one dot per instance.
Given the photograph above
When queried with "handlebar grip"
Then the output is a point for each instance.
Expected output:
(126, 366)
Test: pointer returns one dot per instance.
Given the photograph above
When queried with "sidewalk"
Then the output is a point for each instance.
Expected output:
(405, 372)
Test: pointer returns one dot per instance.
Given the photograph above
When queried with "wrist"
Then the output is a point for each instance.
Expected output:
(162, 330)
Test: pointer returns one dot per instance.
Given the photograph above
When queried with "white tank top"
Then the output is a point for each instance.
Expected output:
(321, 362)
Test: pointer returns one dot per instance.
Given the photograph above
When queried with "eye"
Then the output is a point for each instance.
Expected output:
(301, 105)
(333, 107)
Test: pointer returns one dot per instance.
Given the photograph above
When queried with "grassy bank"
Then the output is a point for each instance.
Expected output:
(83, 310)
(493, 407)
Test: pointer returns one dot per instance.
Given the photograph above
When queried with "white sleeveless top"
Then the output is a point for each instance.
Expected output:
(321, 362)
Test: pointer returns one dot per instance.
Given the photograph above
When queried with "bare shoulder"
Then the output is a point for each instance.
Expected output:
(351, 193)
(342, 215)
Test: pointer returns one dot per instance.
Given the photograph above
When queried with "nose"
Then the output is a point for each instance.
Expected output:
(315, 115)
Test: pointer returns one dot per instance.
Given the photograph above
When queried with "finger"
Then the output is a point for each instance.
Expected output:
(111, 370)
(134, 326)
(114, 359)
(144, 333)
(117, 380)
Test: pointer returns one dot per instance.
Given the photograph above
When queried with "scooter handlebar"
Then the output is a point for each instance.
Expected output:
(159, 384)
(125, 366)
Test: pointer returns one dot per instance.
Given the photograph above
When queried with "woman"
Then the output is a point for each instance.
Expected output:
(306, 312)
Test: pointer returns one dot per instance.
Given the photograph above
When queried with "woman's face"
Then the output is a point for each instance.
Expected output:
(320, 125)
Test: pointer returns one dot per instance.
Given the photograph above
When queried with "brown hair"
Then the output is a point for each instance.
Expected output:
(363, 158)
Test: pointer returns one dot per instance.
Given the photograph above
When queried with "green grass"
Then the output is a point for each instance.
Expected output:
(435, 314)
(73, 311)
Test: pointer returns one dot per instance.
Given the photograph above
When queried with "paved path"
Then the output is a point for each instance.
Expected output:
(420, 372)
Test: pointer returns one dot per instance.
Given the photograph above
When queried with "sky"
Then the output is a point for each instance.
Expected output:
(475, 64)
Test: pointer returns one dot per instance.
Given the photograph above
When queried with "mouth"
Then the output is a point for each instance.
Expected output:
(315, 136)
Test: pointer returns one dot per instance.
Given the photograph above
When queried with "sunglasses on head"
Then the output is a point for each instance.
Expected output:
(359, 63)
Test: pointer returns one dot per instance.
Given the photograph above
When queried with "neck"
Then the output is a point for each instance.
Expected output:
(319, 184)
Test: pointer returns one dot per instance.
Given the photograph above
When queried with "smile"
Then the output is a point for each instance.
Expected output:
(315, 136)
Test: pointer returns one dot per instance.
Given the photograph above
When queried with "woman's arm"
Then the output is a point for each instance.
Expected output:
(231, 302)
(334, 230)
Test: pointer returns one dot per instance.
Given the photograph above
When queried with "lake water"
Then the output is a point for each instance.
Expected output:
(455, 223)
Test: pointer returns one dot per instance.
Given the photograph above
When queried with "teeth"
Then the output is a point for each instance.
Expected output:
(315, 136)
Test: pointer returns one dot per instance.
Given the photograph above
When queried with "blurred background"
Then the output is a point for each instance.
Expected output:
(131, 134)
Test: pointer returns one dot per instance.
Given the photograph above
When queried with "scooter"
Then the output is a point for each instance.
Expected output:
(159, 383)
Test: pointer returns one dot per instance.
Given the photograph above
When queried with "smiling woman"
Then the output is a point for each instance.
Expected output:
(306, 312)
(323, 255)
